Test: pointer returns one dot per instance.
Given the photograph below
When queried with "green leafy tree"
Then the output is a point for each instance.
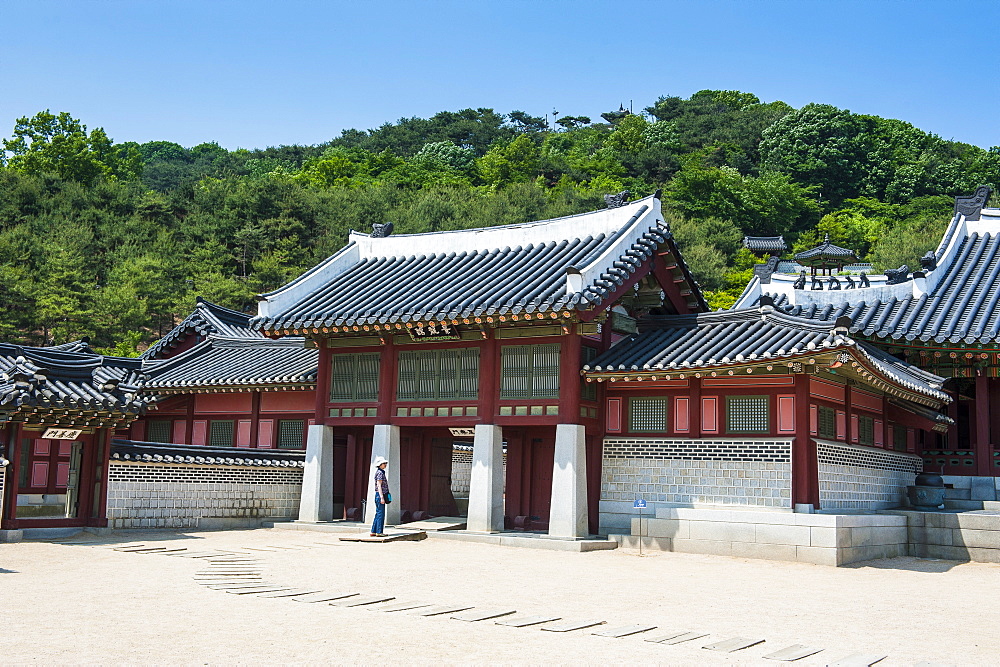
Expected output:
(509, 163)
(59, 144)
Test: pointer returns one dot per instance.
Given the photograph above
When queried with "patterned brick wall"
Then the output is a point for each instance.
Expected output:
(461, 471)
(852, 477)
(155, 495)
(754, 473)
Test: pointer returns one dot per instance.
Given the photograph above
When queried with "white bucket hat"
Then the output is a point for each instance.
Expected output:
(379, 460)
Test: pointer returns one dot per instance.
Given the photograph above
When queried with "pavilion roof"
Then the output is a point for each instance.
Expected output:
(68, 382)
(235, 364)
(724, 340)
(154, 452)
(566, 264)
(954, 299)
(825, 252)
(207, 319)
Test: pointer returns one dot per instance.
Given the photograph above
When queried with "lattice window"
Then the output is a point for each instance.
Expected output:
(747, 414)
(899, 437)
(438, 375)
(220, 433)
(827, 422)
(647, 415)
(291, 433)
(159, 430)
(529, 371)
(354, 377)
(866, 430)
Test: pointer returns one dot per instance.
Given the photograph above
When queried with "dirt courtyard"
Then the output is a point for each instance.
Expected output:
(89, 603)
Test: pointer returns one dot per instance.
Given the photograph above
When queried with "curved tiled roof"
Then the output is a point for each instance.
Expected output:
(231, 362)
(825, 249)
(957, 301)
(568, 263)
(729, 338)
(154, 452)
(58, 378)
(765, 243)
(207, 319)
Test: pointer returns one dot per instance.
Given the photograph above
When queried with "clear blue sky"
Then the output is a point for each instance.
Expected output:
(253, 74)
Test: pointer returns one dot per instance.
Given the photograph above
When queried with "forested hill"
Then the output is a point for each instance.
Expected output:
(115, 240)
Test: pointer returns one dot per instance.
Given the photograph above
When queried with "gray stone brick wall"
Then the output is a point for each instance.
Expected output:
(461, 471)
(753, 473)
(852, 477)
(156, 495)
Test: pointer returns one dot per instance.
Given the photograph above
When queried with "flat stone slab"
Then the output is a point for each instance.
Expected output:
(437, 523)
(483, 614)
(793, 652)
(139, 549)
(323, 597)
(858, 660)
(677, 637)
(389, 537)
(404, 606)
(194, 554)
(238, 585)
(261, 549)
(256, 589)
(360, 601)
(732, 644)
(624, 631)
(293, 592)
(437, 610)
(525, 621)
(569, 626)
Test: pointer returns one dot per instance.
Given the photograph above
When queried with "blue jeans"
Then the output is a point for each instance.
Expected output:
(378, 526)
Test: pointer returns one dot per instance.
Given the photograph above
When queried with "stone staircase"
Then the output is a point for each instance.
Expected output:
(971, 493)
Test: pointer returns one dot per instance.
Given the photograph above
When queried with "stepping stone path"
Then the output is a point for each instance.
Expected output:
(858, 660)
(793, 652)
(483, 614)
(324, 597)
(624, 631)
(525, 621)
(677, 637)
(732, 644)
(569, 626)
(239, 573)
(441, 609)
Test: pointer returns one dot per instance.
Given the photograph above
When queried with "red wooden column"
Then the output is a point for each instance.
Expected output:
(569, 376)
(386, 380)
(805, 470)
(984, 446)
(323, 380)
(10, 483)
(694, 409)
(489, 378)
(189, 420)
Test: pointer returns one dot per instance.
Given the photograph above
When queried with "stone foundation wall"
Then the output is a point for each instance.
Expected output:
(852, 477)
(156, 495)
(742, 473)
(822, 539)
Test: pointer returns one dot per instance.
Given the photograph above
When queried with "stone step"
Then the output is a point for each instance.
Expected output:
(953, 504)
(957, 494)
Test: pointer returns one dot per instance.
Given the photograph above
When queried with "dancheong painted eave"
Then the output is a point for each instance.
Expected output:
(953, 299)
(566, 265)
(681, 346)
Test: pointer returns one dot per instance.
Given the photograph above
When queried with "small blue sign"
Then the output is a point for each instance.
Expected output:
(639, 503)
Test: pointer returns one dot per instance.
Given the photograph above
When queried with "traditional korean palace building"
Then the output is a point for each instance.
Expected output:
(59, 408)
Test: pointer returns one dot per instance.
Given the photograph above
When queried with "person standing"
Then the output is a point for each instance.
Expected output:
(382, 497)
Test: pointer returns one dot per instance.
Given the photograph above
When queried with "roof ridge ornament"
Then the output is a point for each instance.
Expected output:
(618, 200)
(971, 207)
(380, 231)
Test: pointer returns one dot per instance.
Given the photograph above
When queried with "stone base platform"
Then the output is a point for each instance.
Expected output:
(953, 535)
(822, 539)
(393, 536)
(527, 541)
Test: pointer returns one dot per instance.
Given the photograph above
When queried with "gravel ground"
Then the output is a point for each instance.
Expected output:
(88, 603)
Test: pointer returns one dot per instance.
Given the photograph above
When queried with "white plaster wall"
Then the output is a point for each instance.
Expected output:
(852, 477)
(151, 495)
